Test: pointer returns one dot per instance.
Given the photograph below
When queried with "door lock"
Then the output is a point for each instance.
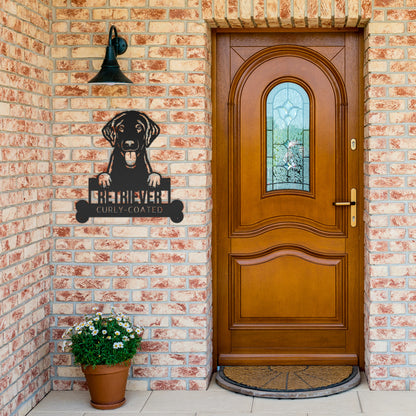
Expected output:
(352, 204)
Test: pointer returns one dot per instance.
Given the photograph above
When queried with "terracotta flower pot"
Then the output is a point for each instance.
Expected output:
(107, 384)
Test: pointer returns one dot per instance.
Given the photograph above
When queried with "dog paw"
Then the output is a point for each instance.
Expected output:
(104, 180)
(154, 179)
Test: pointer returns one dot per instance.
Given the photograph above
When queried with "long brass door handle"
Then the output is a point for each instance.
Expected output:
(352, 204)
(343, 204)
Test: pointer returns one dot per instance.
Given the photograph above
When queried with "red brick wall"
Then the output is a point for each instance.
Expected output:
(390, 195)
(157, 271)
(153, 269)
(25, 204)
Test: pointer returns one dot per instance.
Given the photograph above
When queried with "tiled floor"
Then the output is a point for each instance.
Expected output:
(218, 402)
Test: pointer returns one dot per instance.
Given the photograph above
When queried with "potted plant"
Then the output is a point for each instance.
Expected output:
(104, 346)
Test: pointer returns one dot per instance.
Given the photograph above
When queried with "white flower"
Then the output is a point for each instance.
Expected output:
(96, 319)
(132, 336)
(66, 344)
(91, 328)
(95, 309)
(139, 331)
(129, 330)
(67, 333)
(117, 345)
(99, 313)
(95, 332)
(109, 337)
(104, 331)
(118, 318)
(79, 332)
(117, 333)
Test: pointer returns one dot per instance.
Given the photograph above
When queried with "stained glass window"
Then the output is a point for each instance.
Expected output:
(288, 114)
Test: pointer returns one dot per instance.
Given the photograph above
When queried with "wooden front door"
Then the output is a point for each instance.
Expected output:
(288, 201)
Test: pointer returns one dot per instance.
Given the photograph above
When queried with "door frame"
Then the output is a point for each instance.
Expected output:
(215, 174)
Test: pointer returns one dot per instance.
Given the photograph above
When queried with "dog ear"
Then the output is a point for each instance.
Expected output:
(109, 130)
(152, 130)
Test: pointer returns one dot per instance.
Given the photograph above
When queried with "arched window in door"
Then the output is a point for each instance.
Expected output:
(288, 115)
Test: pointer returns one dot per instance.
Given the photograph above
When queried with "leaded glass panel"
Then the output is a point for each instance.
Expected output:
(288, 114)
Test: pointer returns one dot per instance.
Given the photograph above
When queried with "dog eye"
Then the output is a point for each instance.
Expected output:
(121, 129)
(139, 127)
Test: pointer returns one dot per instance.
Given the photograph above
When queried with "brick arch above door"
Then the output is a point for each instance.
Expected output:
(287, 14)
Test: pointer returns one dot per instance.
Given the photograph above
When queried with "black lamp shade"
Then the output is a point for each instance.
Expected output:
(110, 72)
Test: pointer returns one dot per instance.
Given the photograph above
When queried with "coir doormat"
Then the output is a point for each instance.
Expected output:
(288, 381)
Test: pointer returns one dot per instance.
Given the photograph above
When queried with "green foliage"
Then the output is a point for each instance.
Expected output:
(101, 339)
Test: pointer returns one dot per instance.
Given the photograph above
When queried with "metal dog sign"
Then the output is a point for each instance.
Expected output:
(129, 187)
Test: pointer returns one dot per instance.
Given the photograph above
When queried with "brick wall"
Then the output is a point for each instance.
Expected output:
(25, 181)
(390, 195)
(157, 271)
(153, 269)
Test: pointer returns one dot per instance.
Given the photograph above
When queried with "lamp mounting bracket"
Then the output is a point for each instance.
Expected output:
(119, 44)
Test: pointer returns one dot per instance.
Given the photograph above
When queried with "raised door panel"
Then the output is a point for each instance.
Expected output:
(254, 209)
(287, 287)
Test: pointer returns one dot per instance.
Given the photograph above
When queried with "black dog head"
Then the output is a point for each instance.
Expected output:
(131, 132)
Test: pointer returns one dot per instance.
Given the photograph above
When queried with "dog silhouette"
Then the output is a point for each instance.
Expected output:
(130, 134)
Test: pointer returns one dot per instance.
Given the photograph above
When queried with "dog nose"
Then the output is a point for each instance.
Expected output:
(129, 143)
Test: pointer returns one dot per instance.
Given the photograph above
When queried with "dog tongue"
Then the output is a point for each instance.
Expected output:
(130, 158)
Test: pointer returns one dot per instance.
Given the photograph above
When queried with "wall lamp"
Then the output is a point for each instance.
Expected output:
(110, 72)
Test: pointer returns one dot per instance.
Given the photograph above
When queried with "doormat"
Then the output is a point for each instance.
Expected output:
(288, 381)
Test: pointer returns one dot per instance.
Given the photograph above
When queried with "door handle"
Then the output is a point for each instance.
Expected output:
(343, 204)
(352, 204)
